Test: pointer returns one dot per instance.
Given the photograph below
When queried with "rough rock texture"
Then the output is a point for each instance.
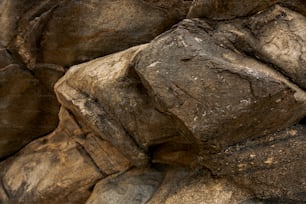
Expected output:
(207, 112)
(107, 95)
(28, 109)
(44, 37)
(213, 89)
(197, 186)
(135, 186)
(224, 10)
(61, 167)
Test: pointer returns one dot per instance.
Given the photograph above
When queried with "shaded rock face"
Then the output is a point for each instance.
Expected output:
(27, 109)
(207, 112)
(39, 39)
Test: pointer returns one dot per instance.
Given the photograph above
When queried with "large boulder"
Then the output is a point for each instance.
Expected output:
(61, 167)
(222, 96)
(136, 186)
(106, 94)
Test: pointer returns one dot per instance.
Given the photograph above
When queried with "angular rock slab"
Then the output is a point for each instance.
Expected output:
(61, 167)
(272, 166)
(107, 96)
(219, 94)
(224, 10)
(135, 186)
(82, 30)
(27, 109)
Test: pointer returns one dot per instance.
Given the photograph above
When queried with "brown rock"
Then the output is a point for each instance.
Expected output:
(61, 167)
(12, 12)
(83, 30)
(107, 96)
(224, 10)
(271, 166)
(220, 95)
(276, 36)
(197, 186)
(27, 109)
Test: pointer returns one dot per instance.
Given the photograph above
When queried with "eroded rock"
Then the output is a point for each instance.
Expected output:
(61, 167)
(219, 94)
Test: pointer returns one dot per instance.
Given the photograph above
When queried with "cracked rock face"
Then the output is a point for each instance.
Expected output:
(210, 111)
(204, 63)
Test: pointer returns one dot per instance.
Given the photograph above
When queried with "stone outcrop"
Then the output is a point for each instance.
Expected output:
(210, 111)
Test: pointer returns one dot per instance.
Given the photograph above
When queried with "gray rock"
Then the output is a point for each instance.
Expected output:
(135, 186)
(219, 94)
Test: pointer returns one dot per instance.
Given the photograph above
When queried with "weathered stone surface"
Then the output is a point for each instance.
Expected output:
(27, 109)
(222, 10)
(5, 57)
(135, 186)
(271, 166)
(83, 30)
(220, 95)
(276, 36)
(107, 95)
(61, 167)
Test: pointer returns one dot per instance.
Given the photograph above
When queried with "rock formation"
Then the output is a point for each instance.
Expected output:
(152, 101)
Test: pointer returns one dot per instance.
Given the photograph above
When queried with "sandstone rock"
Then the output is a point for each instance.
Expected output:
(27, 109)
(58, 167)
(107, 95)
(136, 186)
(271, 166)
(219, 94)
(83, 30)
(222, 10)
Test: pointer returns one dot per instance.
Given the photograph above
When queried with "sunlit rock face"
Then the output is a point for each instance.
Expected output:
(175, 102)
